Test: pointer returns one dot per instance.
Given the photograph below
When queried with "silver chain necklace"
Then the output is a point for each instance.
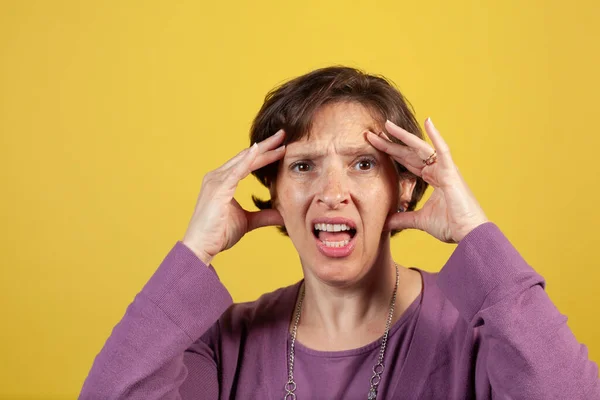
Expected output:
(290, 386)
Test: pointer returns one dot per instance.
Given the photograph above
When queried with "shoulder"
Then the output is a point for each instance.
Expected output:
(269, 313)
(435, 305)
(266, 310)
(440, 324)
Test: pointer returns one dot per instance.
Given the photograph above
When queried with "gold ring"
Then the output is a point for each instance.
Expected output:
(431, 159)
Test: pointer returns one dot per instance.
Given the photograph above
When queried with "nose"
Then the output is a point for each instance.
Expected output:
(333, 188)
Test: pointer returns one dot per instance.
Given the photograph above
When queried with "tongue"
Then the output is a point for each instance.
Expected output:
(334, 236)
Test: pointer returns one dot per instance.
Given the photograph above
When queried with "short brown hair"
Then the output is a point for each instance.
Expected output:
(292, 106)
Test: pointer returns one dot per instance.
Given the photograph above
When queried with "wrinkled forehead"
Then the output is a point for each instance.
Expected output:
(339, 125)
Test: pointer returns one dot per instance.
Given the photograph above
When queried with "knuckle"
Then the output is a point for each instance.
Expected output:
(210, 179)
(445, 151)
(207, 179)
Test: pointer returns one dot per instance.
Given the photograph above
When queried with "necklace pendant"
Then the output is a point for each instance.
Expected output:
(372, 394)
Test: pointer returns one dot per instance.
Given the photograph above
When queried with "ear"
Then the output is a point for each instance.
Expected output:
(407, 185)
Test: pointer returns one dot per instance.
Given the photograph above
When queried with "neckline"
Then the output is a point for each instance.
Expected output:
(412, 308)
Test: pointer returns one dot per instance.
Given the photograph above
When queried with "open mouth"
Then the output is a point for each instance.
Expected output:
(334, 235)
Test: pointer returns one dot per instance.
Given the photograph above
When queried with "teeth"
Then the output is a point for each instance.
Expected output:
(332, 227)
(336, 244)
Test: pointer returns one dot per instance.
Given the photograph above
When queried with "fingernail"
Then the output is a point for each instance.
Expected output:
(254, 147)
(278, 133)
(429, 120)
(387, 121)
(373, 133)
(386, 136)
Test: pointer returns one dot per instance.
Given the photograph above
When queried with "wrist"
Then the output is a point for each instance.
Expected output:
(464, 231)
(201, 254)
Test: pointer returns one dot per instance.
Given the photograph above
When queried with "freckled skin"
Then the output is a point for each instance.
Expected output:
(337, 173)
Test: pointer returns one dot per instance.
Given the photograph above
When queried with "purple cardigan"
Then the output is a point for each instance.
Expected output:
(482, 328)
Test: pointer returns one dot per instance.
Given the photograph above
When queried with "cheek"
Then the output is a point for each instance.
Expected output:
(291, 199)
(376, 200)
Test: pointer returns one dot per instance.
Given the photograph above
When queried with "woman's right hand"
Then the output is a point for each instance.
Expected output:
(219, 221)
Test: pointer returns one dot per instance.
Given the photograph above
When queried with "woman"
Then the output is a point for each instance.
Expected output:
(342, 181)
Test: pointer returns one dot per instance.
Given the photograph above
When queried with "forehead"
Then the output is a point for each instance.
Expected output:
(339, 124)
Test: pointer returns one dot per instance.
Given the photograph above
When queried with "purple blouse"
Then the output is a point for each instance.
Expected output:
(482, 328)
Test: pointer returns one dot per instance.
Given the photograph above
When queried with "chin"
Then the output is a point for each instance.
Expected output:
(335, 271)
(335, 276)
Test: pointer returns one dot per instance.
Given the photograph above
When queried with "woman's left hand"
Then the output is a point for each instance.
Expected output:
(452, 211)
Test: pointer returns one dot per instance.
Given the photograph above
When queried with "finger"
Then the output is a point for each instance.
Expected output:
(403, 220)
(266, 145)
(242, 169)
(250, 161)
(423, 148)
(386, 137)
(258, 219)
(268, 158)
(231, 162)
(272, 142)
(403, 154)
(438, 141)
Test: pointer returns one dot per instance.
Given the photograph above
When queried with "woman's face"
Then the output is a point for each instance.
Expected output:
(335, 192)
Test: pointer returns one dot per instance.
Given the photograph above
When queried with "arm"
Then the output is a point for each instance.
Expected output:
(527, 350)
(145, 357)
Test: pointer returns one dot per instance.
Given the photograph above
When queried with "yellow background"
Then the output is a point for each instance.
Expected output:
(112, 111)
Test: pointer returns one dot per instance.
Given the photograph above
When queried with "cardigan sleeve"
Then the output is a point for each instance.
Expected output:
(526, 349)
(146, 356)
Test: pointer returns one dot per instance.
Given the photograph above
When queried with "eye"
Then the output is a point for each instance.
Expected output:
(301, 166)
(365, 164)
